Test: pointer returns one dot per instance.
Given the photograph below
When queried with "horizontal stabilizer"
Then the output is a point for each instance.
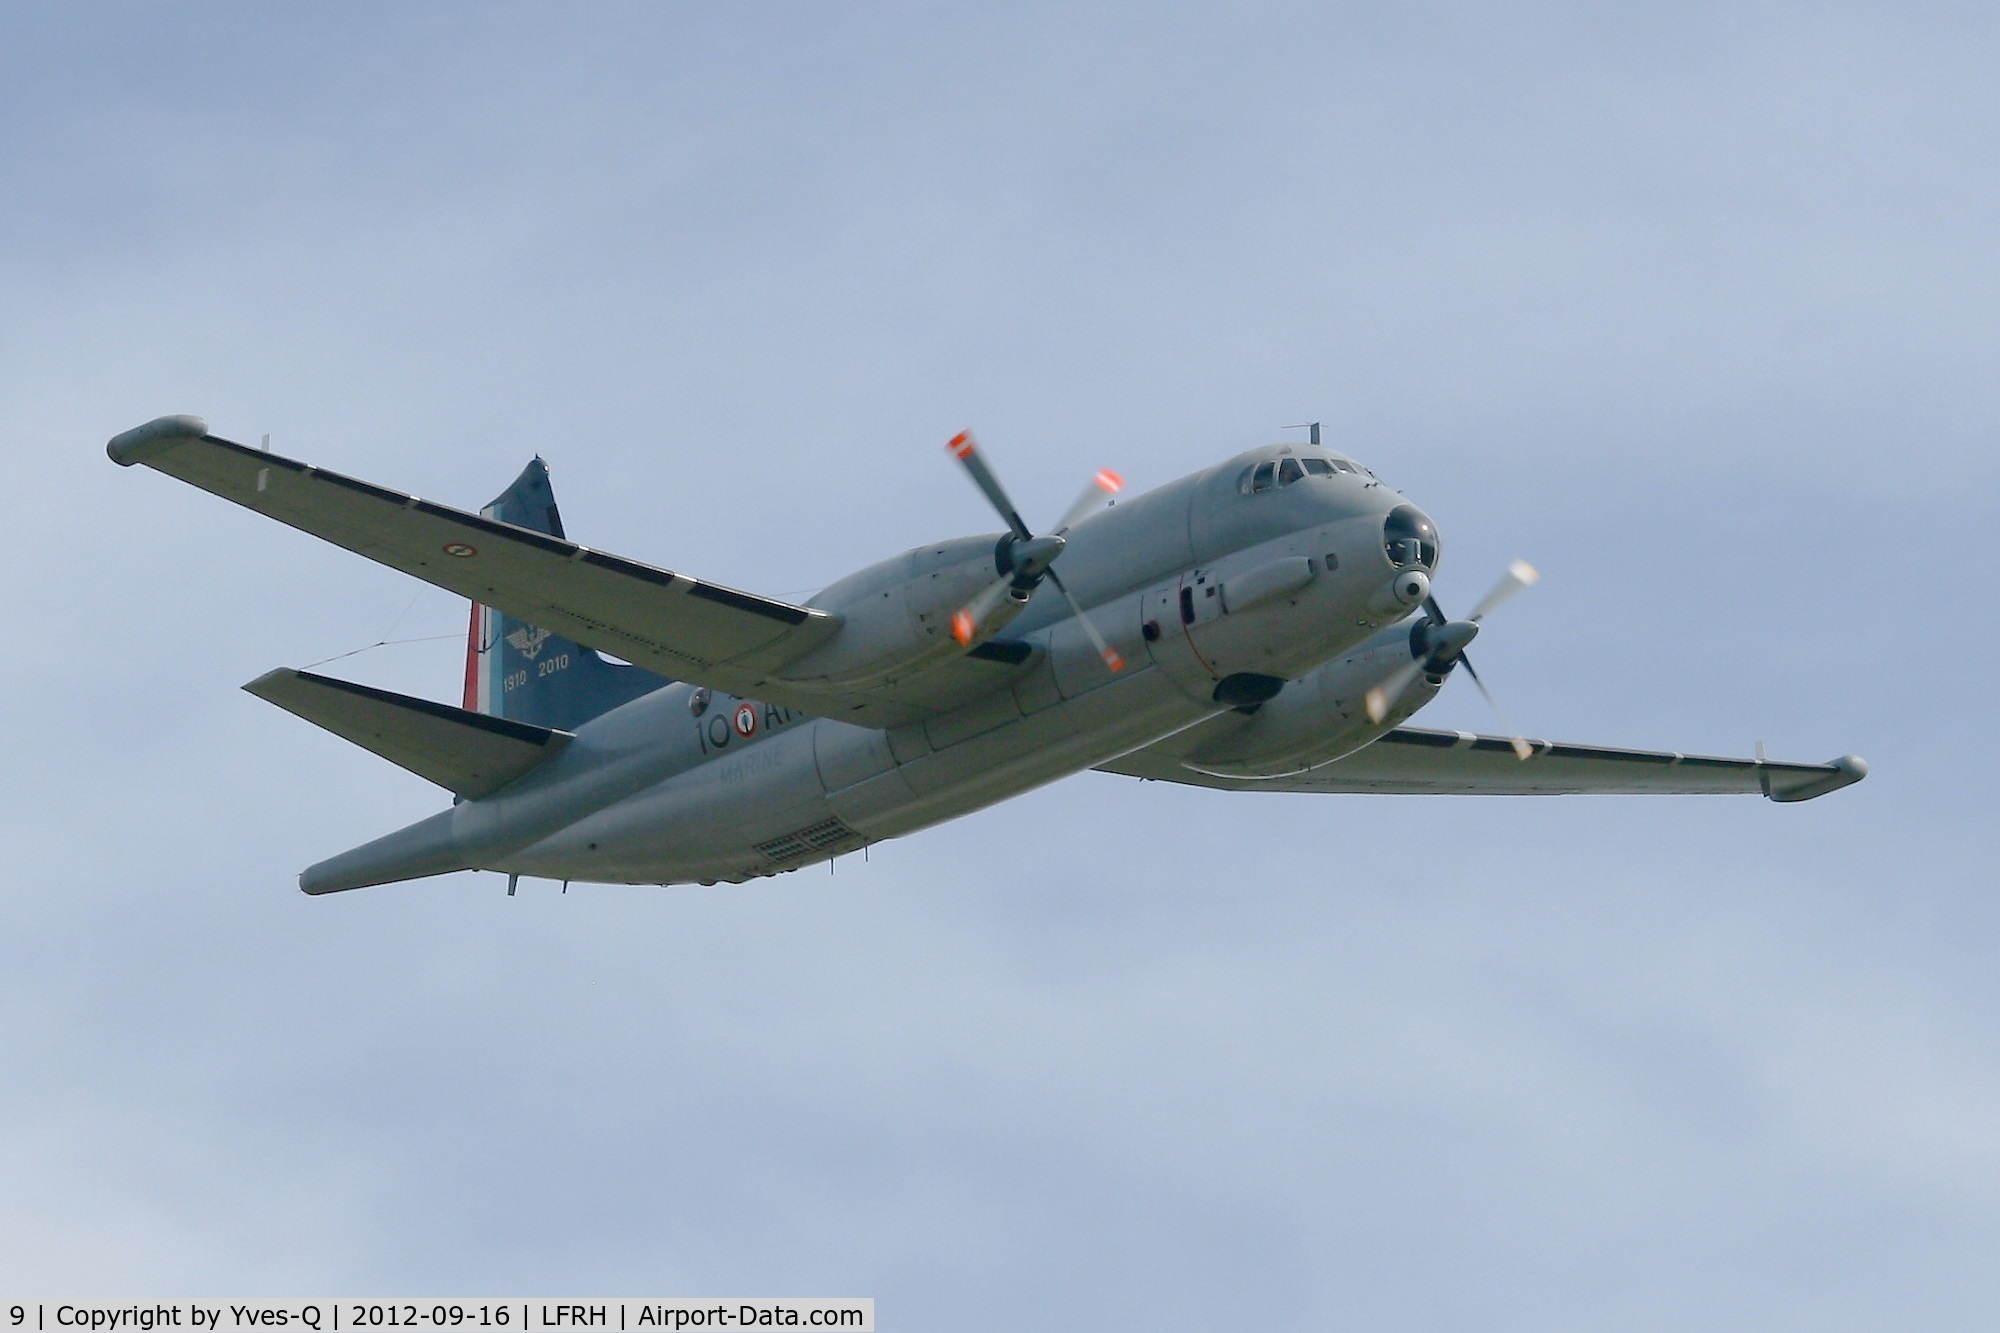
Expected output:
(469, 754)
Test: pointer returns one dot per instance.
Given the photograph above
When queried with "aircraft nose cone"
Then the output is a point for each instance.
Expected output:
(1450, 640)
(1441, 646)
(1036, 554)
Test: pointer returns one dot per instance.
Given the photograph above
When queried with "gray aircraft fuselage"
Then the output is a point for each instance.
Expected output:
(1212, 594)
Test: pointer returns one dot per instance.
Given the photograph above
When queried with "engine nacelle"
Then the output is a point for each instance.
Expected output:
(1320, 717)
(896, 615)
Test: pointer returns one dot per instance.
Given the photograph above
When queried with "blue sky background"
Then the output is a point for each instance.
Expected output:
(1694, 307)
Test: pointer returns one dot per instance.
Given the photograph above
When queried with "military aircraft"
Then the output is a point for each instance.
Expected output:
(1267, 624)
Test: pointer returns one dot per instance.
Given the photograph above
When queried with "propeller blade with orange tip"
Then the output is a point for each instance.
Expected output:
(966, 450)
(966, 623)
(1102, 487)
(1112, 657)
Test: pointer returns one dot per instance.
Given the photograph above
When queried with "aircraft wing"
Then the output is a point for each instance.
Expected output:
(1410, 760)
(670, 623)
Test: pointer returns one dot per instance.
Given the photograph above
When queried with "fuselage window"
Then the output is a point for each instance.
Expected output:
(1289, 471)
(1317, 467)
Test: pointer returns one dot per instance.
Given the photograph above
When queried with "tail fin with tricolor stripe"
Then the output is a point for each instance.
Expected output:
(525, 673)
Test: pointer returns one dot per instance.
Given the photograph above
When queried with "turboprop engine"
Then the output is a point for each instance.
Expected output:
(1344, 704)
(897, 615)
(1323, 715)
(926, 606)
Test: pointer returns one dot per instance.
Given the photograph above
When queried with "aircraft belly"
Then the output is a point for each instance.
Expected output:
(1126, 713)
(769, 809)
(706, 823)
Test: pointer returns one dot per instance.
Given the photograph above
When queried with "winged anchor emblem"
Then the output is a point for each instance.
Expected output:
(528, 640)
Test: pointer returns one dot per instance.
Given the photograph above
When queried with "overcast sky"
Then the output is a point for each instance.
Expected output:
(1692, 306)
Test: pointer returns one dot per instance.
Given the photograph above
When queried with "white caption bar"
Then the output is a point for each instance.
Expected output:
(481, 1316)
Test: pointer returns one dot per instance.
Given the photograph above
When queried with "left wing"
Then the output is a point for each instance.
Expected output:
(680, 627)
(1410, 760)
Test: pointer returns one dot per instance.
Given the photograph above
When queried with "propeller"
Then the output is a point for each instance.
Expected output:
(1025, 559)
(1438, 644)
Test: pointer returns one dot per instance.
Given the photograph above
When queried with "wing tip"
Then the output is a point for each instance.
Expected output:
(1829, 777)
(271, 680)
(142, 443)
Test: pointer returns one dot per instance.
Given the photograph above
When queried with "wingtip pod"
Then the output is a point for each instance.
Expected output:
(1831, 776)
(155, 437)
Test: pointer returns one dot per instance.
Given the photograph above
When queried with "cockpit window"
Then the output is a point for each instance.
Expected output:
(1284, 471)
(1343, 465)
(1409, 537)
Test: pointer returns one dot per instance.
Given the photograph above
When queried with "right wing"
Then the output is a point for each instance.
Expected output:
(1414, 761)
(680, 627)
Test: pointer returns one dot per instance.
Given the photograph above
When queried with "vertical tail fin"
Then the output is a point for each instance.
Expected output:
(475, 676)
(523, 672)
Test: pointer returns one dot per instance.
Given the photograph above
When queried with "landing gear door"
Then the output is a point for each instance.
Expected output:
(1169, 612)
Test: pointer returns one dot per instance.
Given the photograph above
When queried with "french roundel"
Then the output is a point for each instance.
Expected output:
(746, 720)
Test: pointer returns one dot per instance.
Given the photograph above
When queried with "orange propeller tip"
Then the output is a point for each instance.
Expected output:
(962, 627)
(1113, 660)
(1377, 704)
(961, 444)
(1109, 480)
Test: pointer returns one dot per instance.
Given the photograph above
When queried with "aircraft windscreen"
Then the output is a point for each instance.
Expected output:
(1283, 472)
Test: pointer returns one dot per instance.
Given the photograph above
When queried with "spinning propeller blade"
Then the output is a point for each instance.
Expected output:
(1519, 576)
(1102, 487)
(1514, 737)
(1448, 650)
(1104, 650)
(965, 623)
(1384, 696)
(1027, 559)
(966, 450)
